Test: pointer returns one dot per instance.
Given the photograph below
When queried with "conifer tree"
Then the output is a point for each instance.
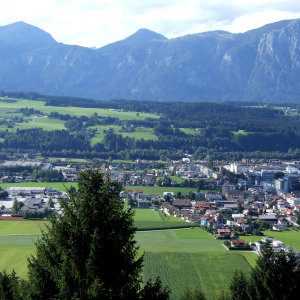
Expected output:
(89, 251)
(274, 276)
(239, 286)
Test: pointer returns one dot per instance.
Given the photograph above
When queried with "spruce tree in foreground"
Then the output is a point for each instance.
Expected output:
(275, 276)
(89, 252)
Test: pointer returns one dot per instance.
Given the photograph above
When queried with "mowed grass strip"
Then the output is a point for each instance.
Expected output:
(167, 240)
(209, 271)
(21, 240)
(21, 227)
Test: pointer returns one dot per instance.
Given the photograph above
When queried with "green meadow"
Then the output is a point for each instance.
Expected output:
(72, 111)
(21, 227)
(190, 131)
(39, 122)
(14, 257)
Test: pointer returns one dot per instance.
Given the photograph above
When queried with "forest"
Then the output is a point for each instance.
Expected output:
(215, 129)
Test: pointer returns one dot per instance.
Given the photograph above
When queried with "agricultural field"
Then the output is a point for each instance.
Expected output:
(209, 271)
(193, 235)
(168, 240)
(289, 237)
(72, 111)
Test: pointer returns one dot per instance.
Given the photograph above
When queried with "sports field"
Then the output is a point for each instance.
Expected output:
(209, 271)
(61, 186)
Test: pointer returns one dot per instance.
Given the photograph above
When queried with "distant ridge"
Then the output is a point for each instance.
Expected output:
(142, 35)
(21, 32)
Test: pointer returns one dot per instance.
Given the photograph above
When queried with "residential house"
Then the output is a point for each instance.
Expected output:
(213, 196)
(182, 203)
(278, 227)
(272, 220)
(204, 220)
(237, 242)
(227, 187)
(235, 195)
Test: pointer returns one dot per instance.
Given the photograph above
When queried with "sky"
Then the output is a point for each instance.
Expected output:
(100, 22)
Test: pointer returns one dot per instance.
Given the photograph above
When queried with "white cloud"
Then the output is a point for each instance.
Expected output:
(99, 22)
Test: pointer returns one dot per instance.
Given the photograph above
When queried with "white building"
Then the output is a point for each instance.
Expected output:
(277, 244)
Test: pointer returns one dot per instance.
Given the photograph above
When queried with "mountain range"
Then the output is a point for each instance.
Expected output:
(261, 64)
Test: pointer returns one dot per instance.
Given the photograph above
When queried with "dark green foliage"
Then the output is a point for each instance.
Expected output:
(9, 286)
(73, 125)
(3, 194)
(89, 252)
(45, 140)
(196, 295)
(274, 276)
(239, 286)
(278, 175)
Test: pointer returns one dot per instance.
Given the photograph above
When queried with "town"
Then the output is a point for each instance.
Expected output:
(229, 200)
